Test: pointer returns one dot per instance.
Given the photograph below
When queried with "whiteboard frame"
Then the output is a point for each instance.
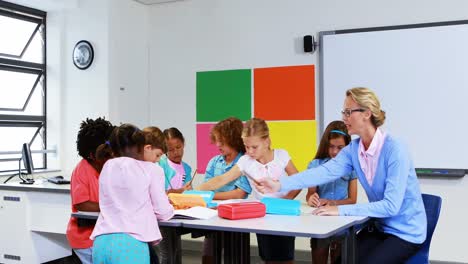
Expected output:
(321, 61)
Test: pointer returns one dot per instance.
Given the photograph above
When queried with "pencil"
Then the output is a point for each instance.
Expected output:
(193, 177)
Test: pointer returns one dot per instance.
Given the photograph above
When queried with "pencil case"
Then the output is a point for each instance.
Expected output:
(185, 201)
(245, 210)
(281, 206)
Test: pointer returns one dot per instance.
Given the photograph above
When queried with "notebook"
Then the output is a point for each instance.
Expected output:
(196, 212)
(185, 201)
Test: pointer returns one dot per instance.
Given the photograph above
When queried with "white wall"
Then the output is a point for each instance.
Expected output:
(158, 69)
(190, 36)
(128, 63)
(84, 93)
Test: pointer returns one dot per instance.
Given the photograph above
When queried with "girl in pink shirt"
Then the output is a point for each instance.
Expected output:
(132, 199)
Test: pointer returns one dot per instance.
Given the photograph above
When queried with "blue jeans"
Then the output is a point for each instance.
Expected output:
(85, 255)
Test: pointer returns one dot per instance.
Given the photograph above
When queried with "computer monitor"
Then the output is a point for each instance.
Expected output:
(28, 165)
(27, 158)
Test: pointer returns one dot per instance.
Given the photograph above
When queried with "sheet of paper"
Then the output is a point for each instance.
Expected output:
(196, 212)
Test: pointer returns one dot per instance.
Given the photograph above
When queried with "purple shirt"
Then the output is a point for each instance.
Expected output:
(132, 199)
(177, 181)
(369, 159)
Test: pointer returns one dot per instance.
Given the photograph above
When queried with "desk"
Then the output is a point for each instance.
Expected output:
(34, 221)
(237, 232)
(305, 225)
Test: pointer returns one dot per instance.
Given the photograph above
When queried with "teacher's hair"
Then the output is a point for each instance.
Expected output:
(367, 99)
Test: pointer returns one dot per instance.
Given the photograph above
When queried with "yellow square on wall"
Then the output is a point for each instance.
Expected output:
(299, 138)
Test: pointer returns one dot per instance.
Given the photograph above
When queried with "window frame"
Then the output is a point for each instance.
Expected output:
(7, 63)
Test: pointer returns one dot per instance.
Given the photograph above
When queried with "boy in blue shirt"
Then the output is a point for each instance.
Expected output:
(227, 136)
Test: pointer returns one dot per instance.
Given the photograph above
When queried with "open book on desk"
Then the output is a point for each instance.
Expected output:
(196, 212)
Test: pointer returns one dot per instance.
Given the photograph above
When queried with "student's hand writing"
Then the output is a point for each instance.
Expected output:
(188, 186)
(267, 185)
(314, 200)
(326, 210)
(180, 190)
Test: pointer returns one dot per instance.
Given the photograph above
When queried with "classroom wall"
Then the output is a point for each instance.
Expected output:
(83, 93)
(117, 30)
(153, 52)
(128, 63)
(190, 36)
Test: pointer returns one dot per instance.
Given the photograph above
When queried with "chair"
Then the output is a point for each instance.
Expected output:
(432, 204)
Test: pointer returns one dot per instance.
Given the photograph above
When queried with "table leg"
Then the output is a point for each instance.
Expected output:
(236, 247)
(171, 249)
(217, 240)
(348, 248)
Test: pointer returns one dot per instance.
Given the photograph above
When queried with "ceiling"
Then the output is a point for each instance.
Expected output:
(154, 2)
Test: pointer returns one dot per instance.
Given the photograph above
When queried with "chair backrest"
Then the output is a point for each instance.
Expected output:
(432, 204)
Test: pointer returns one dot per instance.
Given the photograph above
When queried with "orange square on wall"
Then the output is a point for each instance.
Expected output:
(285, 93)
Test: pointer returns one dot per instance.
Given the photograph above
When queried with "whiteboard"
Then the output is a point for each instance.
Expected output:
(420, 74)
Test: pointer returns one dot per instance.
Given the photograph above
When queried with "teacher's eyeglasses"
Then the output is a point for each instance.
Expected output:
(348, 112)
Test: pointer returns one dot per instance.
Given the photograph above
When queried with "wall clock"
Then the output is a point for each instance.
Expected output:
(83, 54)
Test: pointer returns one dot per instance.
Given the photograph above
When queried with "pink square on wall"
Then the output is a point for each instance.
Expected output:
(205, 150)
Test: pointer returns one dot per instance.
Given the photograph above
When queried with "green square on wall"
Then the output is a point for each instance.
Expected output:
(221, 94)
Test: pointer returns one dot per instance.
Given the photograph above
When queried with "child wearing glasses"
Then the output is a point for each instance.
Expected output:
(386, 172)
(178, 173)
(261, 160)
(338, 192)
(227, 135)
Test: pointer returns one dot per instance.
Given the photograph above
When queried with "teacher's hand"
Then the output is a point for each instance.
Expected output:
(267, 185)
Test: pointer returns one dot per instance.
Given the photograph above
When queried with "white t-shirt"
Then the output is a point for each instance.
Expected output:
(274, 169)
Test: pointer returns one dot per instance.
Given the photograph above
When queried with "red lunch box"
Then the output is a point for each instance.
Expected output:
(245, 210)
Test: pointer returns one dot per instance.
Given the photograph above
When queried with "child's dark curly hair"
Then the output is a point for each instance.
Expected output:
(92, 133)
(229, 132)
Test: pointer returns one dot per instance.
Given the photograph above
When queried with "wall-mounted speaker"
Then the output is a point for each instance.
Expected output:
(309, 43)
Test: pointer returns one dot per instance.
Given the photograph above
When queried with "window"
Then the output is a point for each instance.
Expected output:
(22, 84)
